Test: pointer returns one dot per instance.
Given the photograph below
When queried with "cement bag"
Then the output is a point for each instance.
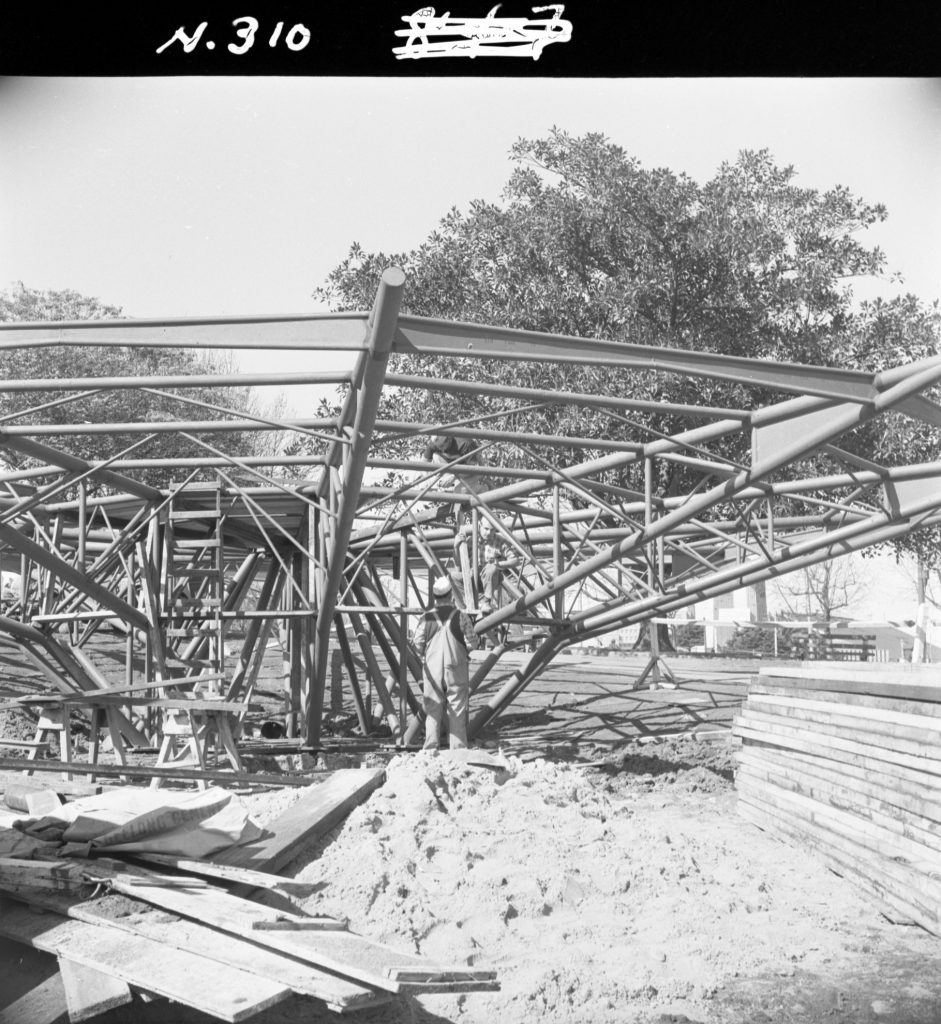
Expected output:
(92, 815)
(182, 824)
(229, 826)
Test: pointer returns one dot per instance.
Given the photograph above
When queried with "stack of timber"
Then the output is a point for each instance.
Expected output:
(847, 762)
(146, 925)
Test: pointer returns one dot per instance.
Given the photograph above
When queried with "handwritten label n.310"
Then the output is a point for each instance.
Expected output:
(296, 38)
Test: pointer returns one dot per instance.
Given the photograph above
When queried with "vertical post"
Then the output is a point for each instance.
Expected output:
(651, 571)
(129, 647)
(363, 711)
(257, 632)
(25, 569)
(921, 615)
(655, 566)
(403, 626)
(295, 631)
(311, 573)
(304, 625)
(82, 523)
(382, 326)
(295, 643)
(284, 636)
(472, 597)
(557, 549)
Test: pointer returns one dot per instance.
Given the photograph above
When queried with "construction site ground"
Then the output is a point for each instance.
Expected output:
(603, 873)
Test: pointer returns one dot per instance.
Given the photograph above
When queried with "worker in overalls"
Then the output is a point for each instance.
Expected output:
(443, 639)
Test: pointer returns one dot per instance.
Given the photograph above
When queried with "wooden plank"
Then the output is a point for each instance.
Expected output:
(831, 835)
(838, 753)
(44, 1004)
(312, 816)
(864, 700)
(92, 699)
(881, 745)
(900, 672)
(852, 721)
(347, 953)
(906, 714)
(844, 799)
(221, 991)
(57, 876)
(226, 873)
(851, 683)
(911, 892)
(884, 852)
(301, 924)
(886, 891)
(406, 974)
(904, 793)
(920, 814)
(139, 919)
(870, 747)
(89, 992)
(145, 772)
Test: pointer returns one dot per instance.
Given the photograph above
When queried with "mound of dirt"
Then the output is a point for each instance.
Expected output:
(16, 725)
(625, 891)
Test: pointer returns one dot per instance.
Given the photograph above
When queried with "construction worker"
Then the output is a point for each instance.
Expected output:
(443, 450)
(443, 639)
(491, 571)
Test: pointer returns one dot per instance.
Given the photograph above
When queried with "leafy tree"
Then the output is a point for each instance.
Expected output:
(589, 242)
(886, 334)
(820, 591)
(752, 640)
(688, 635)
(586, 241)
(27, 304)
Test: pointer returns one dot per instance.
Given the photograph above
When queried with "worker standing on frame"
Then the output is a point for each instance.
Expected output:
(444, 450)
(443, 639)
(491, 570)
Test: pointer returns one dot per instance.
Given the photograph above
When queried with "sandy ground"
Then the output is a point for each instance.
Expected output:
(620, 889)
(624, 891)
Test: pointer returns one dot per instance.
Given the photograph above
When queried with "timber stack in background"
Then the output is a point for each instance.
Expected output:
(847, 762)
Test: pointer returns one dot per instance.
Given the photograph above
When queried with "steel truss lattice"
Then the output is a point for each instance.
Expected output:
(313, 548)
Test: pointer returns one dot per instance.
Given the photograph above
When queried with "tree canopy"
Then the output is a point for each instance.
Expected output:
(21, 303)
(588, 242)
(886, 334)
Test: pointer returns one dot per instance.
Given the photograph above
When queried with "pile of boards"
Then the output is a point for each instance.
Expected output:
(224, 936)
(847, 762)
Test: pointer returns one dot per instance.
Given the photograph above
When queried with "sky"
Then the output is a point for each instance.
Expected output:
(188, 195)
(211, 196)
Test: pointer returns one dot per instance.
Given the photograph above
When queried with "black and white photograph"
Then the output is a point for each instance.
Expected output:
(470, 518)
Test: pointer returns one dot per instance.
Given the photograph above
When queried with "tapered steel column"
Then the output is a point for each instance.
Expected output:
(382, 326)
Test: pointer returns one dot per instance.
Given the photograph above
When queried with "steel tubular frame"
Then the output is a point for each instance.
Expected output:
(195, 578)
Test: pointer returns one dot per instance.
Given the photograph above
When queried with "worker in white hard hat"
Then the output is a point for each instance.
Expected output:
(443, 639)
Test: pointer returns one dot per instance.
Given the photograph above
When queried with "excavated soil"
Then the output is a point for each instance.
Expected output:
(626, 890)
(622, 890)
